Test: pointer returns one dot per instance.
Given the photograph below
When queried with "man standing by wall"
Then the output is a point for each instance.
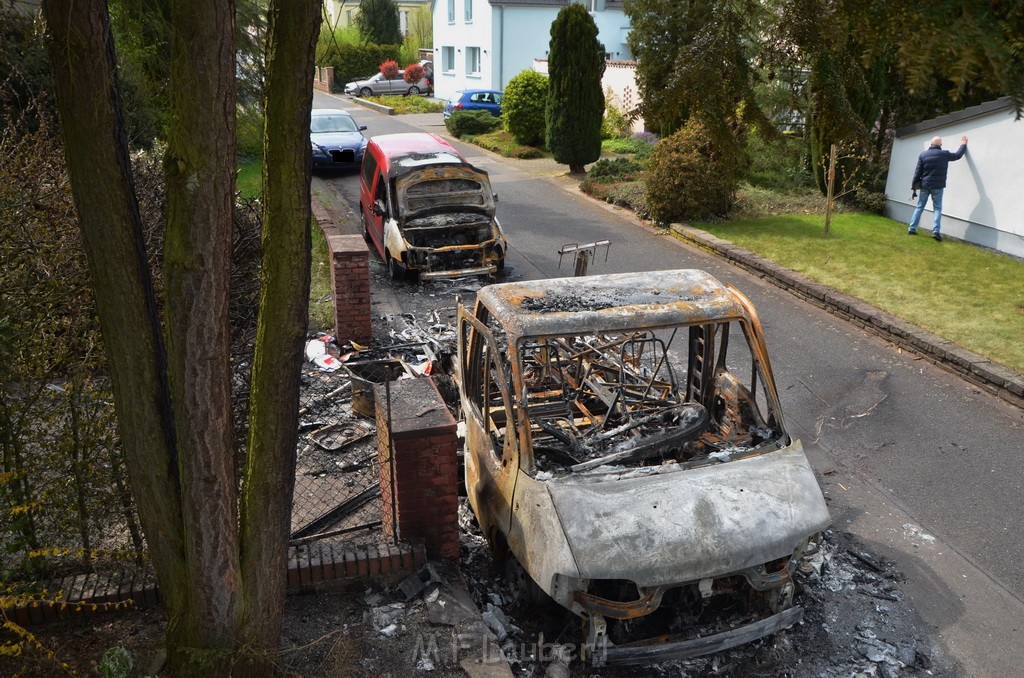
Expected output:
(930, 179)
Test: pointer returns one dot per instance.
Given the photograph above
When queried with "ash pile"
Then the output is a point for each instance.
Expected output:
(855, 624)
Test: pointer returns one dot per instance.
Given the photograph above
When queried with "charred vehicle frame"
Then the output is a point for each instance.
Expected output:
(426, 210)
(627, 471)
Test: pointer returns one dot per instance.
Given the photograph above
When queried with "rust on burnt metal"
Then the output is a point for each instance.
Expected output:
(625, 444)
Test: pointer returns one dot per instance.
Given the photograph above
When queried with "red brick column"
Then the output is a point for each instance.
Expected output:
(351, 285)
(420, 488)
(324, 78)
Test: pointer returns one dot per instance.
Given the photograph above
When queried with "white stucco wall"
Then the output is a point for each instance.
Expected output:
(460, 35)
(984, 198)
(512, 36)
(620, 78)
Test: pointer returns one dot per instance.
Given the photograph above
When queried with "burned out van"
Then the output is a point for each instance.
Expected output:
(426, 210)
(627, 453)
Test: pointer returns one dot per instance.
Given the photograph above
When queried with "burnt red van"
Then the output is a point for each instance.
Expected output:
(426, 210)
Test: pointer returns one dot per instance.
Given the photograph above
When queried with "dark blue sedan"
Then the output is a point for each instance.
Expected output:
(336, 140)
(474, 100)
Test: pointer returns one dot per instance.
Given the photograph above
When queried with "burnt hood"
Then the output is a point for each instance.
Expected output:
(441, 189)
(686, 525)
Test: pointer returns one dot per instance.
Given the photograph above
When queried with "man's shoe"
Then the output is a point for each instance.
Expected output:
(911, 232)
(936, 236)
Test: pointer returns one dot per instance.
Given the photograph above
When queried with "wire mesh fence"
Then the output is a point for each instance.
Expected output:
(338, 492)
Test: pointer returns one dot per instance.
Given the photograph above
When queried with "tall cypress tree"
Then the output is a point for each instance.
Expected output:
(575, 102)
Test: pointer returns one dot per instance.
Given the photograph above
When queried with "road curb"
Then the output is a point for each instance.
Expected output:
(990, 376)
(380, 108)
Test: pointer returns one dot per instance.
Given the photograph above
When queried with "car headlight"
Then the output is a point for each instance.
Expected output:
(317, 149)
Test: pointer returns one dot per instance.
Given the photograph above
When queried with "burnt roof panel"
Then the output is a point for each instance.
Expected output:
(609, 303)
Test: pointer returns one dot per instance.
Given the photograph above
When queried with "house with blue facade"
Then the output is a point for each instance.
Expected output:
(482, 44)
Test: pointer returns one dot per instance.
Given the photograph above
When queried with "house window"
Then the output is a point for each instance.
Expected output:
(448, 59)
(472, 61)
(403, 22)
(469, 11)
(451, 11)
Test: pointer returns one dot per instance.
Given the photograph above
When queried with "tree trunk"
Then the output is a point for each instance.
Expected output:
(82, 55)
(200, 188)
(292, 33)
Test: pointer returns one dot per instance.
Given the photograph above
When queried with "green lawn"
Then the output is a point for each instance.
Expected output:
(249, 182)
(321, 306)
(408, 104)
(971, 296)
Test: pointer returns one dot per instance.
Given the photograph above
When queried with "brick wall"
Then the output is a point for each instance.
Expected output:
(420, 487)
(351, 286)
(323, 78)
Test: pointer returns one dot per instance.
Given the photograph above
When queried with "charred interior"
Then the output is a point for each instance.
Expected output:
(642, 399)
(447, 219)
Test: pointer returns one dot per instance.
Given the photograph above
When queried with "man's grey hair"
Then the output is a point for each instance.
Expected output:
(936, 141)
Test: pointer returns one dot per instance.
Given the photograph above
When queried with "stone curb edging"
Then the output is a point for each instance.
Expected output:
(991, 376)
(319, 565)
(380, 108)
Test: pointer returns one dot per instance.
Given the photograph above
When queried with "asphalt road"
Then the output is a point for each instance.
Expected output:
(922, 466)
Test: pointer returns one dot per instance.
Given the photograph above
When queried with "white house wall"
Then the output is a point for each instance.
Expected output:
(984, 200)
(461, 35)
(511, 36)
(620, 78)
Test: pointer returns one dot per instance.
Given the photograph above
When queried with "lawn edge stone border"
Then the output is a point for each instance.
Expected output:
(986, 374)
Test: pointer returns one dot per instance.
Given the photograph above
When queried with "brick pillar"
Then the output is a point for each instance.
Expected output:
(423, 478)
(351, 285)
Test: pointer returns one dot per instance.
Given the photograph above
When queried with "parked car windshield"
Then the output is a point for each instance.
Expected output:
(332, 123)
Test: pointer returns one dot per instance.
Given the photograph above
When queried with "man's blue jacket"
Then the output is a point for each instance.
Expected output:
(932, 165)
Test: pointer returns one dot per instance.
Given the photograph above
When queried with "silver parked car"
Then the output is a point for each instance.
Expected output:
(378, 85)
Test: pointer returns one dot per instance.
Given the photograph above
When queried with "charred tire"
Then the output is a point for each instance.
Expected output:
(362, 222)
(366, 92)
(396, 269)
(527, 591)
(413, 91)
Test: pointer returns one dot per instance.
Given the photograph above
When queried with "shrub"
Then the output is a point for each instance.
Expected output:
(414, 73)
(522, 107)
(618, 169)
(638, 146)
(471, 122)
(354, 62)
(615, 124)
(780, 165)
(389, 69)
(249, 132)
(869, 201)
(690, 176)
(632, 195)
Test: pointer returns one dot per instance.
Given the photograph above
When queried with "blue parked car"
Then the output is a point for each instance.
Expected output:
(474, 100)
(336, 140)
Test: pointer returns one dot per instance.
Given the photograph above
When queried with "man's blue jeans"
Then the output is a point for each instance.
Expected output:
(922, 198)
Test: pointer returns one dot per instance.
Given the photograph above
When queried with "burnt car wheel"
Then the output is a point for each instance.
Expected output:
(527, 591)
(414, 90)
(396, 269)
(362, 222)
(365, 92)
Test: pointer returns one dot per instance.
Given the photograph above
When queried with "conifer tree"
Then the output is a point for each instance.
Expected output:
(575, 104)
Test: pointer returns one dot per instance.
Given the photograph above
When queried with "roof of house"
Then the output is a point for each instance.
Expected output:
(1001, 104)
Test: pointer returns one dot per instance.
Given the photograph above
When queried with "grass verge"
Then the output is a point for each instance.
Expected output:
(504, 144)
(408, 104)
(321, 295)
(968, 295)
(249, 182)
